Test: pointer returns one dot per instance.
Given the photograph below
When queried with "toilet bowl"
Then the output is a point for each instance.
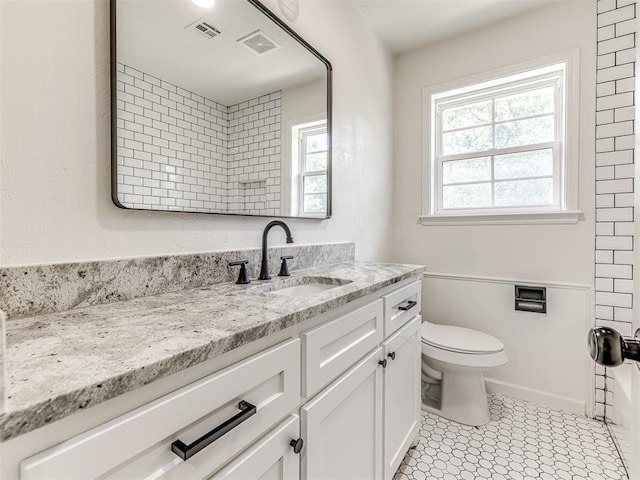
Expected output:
(461, 355)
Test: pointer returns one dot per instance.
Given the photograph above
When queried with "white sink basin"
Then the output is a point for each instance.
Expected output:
(299, 286)
(304, 290)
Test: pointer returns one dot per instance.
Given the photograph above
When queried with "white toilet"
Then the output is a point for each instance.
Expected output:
(460, 355)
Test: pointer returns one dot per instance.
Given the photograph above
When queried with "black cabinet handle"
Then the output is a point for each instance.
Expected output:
(185, 452)
(297, 445)
(383, 363)
(392, 355)
(407, 306)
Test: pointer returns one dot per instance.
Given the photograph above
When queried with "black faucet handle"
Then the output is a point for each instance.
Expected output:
(243, 277)
(284, 268)
(238, 262)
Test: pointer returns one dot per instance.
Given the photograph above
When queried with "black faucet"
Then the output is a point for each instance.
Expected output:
(264, 268)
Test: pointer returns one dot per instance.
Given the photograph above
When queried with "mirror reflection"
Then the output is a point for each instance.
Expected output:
(218, 110)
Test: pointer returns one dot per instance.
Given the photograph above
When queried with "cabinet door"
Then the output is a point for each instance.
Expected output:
(342, 426)
(271, 458)
(401, 394)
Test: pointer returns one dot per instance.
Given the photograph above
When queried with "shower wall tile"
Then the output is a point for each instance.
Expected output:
(171, 146)
(615, 105)
(255, 152)
(179, 151)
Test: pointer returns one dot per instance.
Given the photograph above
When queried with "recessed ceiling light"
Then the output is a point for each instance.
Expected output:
(204, 3)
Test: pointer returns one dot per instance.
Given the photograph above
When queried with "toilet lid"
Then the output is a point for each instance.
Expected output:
(458, 339)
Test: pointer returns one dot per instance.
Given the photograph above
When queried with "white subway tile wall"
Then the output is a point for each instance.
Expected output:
(615, 113)
(254, 155)
(177, 150)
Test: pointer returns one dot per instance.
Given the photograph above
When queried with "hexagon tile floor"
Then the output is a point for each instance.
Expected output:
(522, 441)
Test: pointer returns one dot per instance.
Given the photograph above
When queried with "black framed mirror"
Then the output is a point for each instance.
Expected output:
(217, 107)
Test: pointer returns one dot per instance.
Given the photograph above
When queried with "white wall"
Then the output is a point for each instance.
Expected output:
(532, 253)
(304, 100)
(542, 348)
(55, 201)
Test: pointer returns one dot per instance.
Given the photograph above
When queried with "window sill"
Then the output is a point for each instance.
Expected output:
(521, 218)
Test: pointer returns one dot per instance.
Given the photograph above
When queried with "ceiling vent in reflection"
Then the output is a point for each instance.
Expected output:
(205, 29)
(259, 43)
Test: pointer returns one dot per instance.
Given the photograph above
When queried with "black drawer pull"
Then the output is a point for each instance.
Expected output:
(185, 452)
(407, 306)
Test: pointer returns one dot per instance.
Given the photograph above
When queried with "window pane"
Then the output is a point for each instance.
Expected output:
(525, 132)
(524, 164)
(472, 170)
(467, 196)
(525, 104)
(317, 142)
(315, 184)
(464, 141)
(316, 162)
(524, 192)
(466, 116)
(315, 203)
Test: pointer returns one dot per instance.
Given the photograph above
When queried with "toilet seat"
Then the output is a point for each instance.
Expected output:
(459, 339)
(480, 361)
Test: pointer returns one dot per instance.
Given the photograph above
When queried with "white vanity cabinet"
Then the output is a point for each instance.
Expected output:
(343, 426)
(401, 402)
(335, 397)
(362, 424)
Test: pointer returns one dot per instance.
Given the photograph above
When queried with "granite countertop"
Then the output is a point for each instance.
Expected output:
(59, 363)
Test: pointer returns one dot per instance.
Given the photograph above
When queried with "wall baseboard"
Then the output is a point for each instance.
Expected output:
(540, 397)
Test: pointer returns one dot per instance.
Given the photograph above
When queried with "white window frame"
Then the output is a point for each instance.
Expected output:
(302, 133)
(540, 72)
(293, 177)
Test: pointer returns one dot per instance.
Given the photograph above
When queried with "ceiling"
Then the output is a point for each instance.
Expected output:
(405, 25)
(155, 37)
(159, 38)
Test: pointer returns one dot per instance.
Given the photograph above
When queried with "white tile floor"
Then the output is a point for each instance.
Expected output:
(522, 441)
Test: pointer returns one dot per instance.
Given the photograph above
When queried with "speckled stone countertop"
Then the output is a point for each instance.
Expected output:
(61, 362)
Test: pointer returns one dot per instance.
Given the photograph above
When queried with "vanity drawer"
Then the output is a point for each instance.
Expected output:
(139, 444)
(272, 457)
(334, 347)
(400, 306)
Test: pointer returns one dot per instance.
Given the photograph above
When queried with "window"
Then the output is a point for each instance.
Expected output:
(500, 146)
(311, 168)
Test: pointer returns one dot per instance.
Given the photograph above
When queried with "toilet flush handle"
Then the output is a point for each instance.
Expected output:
(610, 349)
